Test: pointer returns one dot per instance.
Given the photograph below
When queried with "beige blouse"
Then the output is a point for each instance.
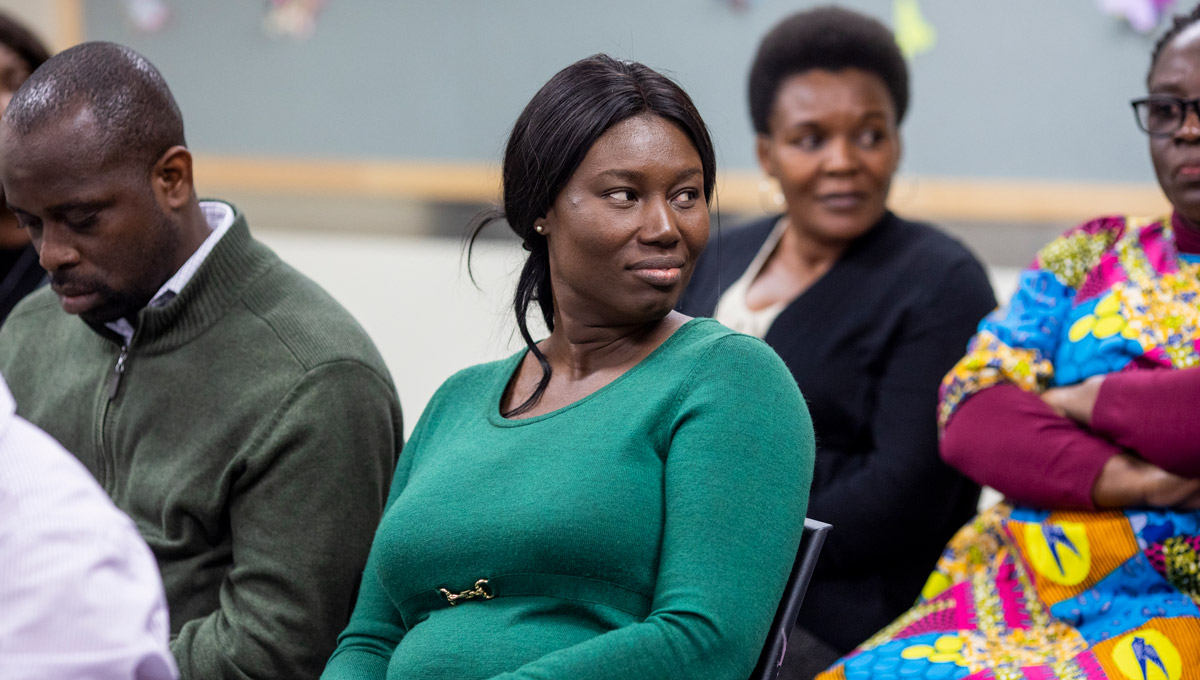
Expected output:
(732, 310)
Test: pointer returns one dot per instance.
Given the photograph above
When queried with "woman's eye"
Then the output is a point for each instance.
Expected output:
(687, 197)
(869, 139)
(621, 195)
(808, 142)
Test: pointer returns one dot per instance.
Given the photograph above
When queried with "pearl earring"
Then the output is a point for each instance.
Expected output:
(539, 228)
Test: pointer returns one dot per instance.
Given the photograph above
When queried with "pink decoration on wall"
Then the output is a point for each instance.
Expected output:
(148, 16)
(295, 19)
(1142, 15)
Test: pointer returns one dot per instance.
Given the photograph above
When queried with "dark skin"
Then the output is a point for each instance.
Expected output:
(833, 145)
(623, 236)
(108, 229)
(1126, 480)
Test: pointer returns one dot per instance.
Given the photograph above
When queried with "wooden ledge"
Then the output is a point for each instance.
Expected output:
(932, 198)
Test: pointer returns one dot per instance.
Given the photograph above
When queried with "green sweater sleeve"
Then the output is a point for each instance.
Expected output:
(300, 536)
(737, 479)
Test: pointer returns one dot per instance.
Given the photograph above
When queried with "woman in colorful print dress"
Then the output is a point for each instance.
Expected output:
(1078, 400)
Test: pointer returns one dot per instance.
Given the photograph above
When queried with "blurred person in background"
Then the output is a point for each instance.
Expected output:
(1077, 400)
(868, 310)
(20, 54)
(623, 499)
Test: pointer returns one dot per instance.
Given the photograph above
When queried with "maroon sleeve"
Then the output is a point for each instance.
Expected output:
(1012, 441)
(1154, 414)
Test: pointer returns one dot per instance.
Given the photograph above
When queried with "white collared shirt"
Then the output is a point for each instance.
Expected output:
(80, 594)
(220, 217)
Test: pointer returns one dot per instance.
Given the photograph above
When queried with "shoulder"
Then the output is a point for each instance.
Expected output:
(35, 309)
(1079, 249)
(920, 242)
(717, 354)
(907, 265)
(305, 319)
(38, 320)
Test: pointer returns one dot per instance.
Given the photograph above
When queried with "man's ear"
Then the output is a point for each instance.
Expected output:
(172, 178)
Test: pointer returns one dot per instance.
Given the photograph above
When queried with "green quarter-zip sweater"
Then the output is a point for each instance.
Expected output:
(644, 532)
(251, 434)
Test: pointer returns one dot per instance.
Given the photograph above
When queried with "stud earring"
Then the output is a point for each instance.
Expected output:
(539, 228)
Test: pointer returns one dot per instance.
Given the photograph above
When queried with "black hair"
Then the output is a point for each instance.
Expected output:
(829, 38)
(550, 139)
(135, 112)
(21, 40)
(1179, 23)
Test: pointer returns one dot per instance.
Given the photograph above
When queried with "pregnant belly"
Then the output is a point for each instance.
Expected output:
(477, 640)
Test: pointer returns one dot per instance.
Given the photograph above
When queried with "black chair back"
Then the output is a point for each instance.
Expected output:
(793, 595)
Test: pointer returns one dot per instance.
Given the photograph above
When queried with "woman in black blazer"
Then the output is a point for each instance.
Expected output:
(867, 309)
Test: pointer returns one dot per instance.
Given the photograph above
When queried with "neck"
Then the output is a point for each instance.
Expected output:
(809, 253)
(579, 349)
(194, 228)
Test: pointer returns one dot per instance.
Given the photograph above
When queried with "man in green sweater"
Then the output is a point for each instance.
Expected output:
(230, 406)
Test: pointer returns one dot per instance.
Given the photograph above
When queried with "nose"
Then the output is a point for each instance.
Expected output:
(55, 249)
(1189, 131)
(840, 156)
(659, 227)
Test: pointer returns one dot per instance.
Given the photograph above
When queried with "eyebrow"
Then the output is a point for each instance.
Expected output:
(78, 206)
(636, 175)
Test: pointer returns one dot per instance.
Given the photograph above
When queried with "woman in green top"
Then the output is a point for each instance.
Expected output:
(625, 498)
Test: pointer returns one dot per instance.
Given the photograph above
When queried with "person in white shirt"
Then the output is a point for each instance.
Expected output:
(80, 593)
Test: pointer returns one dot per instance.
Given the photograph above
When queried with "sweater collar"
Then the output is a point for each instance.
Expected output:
(236, 261)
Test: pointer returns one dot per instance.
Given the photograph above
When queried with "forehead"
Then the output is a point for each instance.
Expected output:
(644, 141)
(1178, 66)
(821, 92)
(57, 157)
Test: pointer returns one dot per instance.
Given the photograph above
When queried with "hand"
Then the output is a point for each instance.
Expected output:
(1127, 482)
(1075, 401)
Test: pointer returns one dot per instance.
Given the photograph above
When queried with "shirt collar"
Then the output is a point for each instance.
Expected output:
(220, 217)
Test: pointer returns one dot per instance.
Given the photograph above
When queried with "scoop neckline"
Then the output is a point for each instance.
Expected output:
(514, 362)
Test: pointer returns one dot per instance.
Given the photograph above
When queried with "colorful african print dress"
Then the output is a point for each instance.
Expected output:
(1023, 593)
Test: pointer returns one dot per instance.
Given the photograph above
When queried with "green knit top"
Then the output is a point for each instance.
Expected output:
(644, 531)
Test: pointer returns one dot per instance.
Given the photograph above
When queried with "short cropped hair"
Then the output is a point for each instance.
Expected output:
(21, 40)
(828, 38)
(134, 109)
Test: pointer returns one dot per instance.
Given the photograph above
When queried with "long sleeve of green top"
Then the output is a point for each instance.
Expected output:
(645, 531)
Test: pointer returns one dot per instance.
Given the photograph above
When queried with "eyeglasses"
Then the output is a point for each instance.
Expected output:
(1161, 115)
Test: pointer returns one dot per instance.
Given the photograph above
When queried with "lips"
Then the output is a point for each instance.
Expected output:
(1189, 171)
(73, 297)
(842, 200)
(660, 271)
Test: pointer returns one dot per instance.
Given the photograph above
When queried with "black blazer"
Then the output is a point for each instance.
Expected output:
(20, 275)
(868, 344)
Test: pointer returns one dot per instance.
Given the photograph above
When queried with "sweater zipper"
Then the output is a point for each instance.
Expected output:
(114, 380)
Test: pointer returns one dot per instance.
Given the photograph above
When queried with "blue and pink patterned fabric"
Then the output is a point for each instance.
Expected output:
(1032, 594)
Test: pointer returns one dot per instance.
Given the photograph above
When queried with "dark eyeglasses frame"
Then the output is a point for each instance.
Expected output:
(1187, 104)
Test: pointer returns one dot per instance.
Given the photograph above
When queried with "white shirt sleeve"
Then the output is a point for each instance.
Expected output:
(80, 593)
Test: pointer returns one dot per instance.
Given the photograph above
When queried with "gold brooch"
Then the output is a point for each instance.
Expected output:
(481, 590)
